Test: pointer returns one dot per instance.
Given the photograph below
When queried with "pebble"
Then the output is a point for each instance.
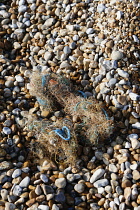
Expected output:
(25, 182)
(67, 50)
(101, 183)
(44, 178)
(123, 73)
(55, 207)
(97, 175)
(19, 78)
(4, 194)
(90, 31)
(60, 183)
(116, 55)
(100, 8)
(60, 197)
(7, 130)
(16, 173)
(79, 187)
(49, 22)
(17, 190)
(43, 207)
(113, 168)
(10, 206)
(5, 165)
(134, 96)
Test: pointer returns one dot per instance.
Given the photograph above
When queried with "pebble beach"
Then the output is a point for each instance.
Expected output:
(96, 45)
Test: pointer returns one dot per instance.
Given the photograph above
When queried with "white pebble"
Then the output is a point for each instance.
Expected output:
(119, 15)
(16, 173)
(116, 55)
(134, 96)
(22, 9)
(25, 182)
(123, 73)
(19, 78)
(135, 144)
(100, 8)
(6, 130)
(43, 207)
(133, 136)
(44, 178)
(101, 183)
(97, 175)
(60, 183)
(136, 125)
(90, 31)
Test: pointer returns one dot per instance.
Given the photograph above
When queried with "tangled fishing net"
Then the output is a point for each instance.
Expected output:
(60, 140)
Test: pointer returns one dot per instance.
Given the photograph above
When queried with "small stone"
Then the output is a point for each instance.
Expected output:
(108, 189)
(113, 168)
(135, 144)
(10, 206)
(6, 130)
(136, 175)
(16, 173)
(122, 99)
(22, 9)
(70, 177)
(44, 178)
(101, 183)
(134, 96)
(136, 125)
(79, 187)
(38, 190)
(2, 152)
(25, 182)
(47, 56)
(60, 183)
(97, 175)
(4, 194)
(17, 190)
(43, 207)
(100, 8)
(90, 31)
(112, 82)
(5, 165)
(122, 206)
(67, 50)
(60, 197)
(116, 55)
(126, 183)
(47, 189)
(19, 78)
(110, 44)
(49, 22)
(55, 207)
(127, 193)
(123, 73)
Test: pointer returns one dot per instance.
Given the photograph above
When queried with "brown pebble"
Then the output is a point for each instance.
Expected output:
(7, 185)
(126, 183)
(30, 202)
(32, 194)
(40, 198)
(101, 201)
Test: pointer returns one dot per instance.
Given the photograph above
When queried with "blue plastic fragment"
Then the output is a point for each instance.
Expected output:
(62, 132)
(42, 102)
(82, 93)
(43, 80)
(105, 113)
